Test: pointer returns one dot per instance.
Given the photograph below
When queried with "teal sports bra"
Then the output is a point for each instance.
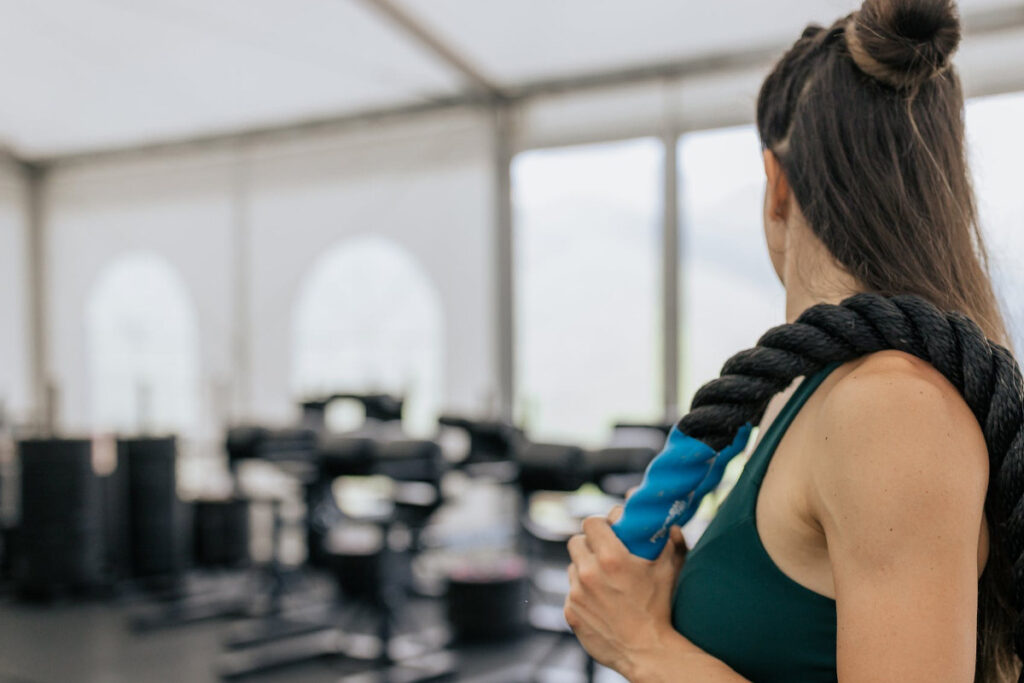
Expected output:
(734, 602)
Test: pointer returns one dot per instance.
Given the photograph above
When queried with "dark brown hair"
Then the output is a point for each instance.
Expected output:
(866, 120)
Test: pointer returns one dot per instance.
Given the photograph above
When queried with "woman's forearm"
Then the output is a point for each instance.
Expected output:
(676, 659)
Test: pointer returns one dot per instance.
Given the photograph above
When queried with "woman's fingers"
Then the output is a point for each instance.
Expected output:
(579, 551)
(615, 514)
(675, 535)
(678, 543)
(569, 607)
(599, 535)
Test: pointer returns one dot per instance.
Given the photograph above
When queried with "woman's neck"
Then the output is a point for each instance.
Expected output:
(813, 276)
(800, 300)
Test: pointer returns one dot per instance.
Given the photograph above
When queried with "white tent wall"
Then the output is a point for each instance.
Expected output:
(426, 187)
(264, 213)
(178, 208)
(15, 360)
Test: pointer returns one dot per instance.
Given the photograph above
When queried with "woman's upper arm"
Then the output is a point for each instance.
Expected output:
(900, 486)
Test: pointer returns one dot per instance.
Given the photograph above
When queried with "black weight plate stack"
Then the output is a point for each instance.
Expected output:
(10, 542)
(117, 521)
(158, 538)
(62, 539)
(221, 533)
(487, 601)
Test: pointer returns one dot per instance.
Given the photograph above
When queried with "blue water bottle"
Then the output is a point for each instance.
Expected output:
(673, 486)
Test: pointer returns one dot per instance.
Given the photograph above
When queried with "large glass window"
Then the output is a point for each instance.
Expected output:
(143, 349)
(368, 319)
(588, 288)
(995, 140)
(730, 293)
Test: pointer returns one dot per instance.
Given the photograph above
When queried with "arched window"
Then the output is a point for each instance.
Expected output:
(143, 348)
(369, 319)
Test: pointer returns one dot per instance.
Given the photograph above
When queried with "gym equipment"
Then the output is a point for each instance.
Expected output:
(337, 456)
(62, 539)
(377, 408)
(487, 602)
(565, 468)
(546, 469)
(314, 458)
(220, 533)
(163, 535)
(487, 590)
(348, 454)
(371, 576)
(551, 467)
(158, 537)
(117, 516)
(8, 497)
(292, 451)
(415, 468)
(492, 444)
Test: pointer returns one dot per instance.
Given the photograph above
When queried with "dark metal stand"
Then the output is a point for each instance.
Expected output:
(366, 630)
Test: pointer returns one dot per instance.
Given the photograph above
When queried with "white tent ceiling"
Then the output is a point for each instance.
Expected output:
(87, 74)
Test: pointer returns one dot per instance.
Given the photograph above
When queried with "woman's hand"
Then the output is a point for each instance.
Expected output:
(619, 605)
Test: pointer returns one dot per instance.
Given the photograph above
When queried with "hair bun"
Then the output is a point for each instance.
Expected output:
(904, 43)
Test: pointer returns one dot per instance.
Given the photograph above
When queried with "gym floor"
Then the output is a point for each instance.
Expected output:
(91, 643)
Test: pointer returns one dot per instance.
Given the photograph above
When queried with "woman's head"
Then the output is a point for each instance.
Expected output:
(863, 124)
(862, 127)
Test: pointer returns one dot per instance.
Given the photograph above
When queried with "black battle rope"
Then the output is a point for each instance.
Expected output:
(985, 374)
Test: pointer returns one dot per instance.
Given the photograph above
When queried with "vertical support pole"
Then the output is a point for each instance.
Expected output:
(43, 397)
(504, 252)
(670, 299)
(241, 256)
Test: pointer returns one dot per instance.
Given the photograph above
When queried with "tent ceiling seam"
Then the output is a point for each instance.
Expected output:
(413, 29)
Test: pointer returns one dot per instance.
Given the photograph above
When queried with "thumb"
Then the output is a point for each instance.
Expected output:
(677, 546)
(675, 550)
(615, 514)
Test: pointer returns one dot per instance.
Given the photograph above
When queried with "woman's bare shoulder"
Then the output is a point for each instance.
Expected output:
(893, 431)
(894, 388)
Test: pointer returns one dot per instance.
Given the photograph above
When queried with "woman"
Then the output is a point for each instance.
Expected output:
(855, 545)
